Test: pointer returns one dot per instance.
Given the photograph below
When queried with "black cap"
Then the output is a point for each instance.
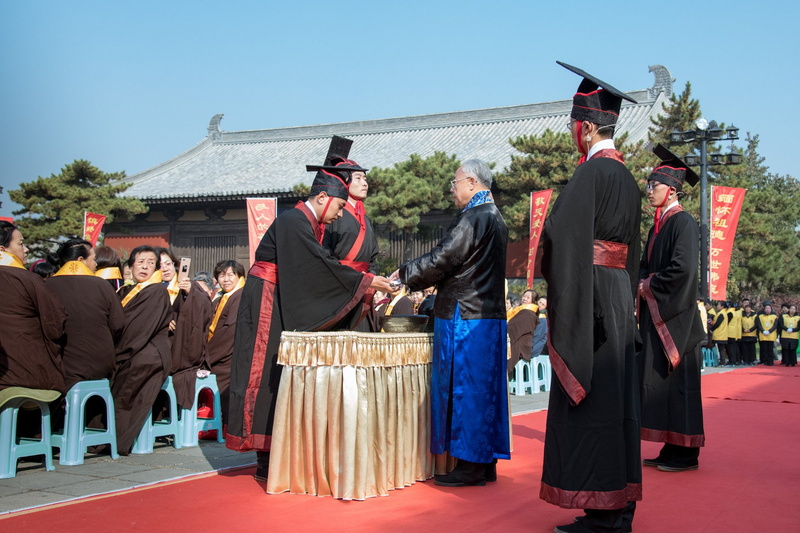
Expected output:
(596, 101)
(672, 171)
(334, 175)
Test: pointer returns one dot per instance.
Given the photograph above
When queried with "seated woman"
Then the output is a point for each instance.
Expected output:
(219, 348)
(94, 314)
(31, 321)
(143, 350)
(109, 266)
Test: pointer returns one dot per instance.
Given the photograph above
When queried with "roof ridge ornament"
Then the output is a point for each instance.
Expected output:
(214, 133)
(663, 83)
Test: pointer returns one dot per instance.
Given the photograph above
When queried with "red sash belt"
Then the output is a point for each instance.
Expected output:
(358, 266)
(264, 270)
(610, 254)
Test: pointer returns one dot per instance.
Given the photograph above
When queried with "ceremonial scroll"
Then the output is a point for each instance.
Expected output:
(726, 205)
(261, 212)
(92, 226)
(539, 202)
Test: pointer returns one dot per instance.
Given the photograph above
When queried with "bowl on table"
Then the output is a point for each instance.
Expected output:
(404, 323)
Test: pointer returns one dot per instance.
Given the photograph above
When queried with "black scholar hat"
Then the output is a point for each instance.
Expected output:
(596, 101)
(334, 175)
(672, 170)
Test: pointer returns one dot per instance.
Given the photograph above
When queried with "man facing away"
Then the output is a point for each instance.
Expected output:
(670, 323)
(592, 451)
(469, 399)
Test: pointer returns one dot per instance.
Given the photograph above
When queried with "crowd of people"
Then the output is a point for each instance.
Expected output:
(744, 336)
(84, 320)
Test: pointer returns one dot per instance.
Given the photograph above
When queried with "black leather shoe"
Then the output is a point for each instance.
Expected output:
(261, 474)
(451, 480)
(676, 467)
(658, 461)
(580, 519)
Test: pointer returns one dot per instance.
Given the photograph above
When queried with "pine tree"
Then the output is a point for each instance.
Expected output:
(53, 207)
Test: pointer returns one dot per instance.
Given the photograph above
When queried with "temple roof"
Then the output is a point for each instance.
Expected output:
(271, 162)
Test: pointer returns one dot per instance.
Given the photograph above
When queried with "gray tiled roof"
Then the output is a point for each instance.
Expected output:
(241, 163)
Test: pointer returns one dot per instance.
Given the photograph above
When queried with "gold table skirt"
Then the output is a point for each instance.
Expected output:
(352, 418)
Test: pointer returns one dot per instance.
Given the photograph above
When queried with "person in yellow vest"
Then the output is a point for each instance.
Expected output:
(747, 345)
(719, 331)
(734, 333)
(789, 322)
(767, 323)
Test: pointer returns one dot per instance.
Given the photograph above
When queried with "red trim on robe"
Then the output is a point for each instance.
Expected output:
(671, 437)
(569, 384)
(610, 254)
(363, 288)
(317, 226)
(670, 349)
(587, 499)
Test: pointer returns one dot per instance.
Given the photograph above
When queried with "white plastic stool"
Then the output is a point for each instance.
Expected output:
(161, 428)
(542, 373)
(522, 379)
(75, 437)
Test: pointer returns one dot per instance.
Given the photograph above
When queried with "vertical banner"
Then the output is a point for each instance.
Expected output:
(260, 214)
(726, 205)
(539, 202)
(92, 226)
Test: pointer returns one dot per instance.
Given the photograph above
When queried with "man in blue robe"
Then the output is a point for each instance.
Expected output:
(469, 400)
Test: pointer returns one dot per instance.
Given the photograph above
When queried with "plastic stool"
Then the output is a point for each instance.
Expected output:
(522, 379)
(11, 400)
(161, 428)
(541, 363)
(73, 440)
(191, 425)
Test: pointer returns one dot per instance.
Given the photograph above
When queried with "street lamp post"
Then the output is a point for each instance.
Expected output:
(706, 131)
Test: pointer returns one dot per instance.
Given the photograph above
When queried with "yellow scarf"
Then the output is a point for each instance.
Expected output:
(109, 273)
(11, 260)
(155, 278)
(74, 268)
(173, 289)
(221, 305)
(511, 314)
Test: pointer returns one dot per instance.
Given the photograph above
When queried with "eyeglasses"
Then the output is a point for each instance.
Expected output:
(453, 182)
(569, 124)
(651, 185)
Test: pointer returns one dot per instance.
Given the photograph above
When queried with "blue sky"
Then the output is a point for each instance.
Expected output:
(128, 85)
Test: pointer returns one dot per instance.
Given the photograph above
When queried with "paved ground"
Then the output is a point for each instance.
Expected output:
(33, 486)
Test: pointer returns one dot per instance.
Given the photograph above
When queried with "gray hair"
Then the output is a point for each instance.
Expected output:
(205, 277)
(475, 168)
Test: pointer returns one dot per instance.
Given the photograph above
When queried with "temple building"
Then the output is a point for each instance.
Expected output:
(197, 198)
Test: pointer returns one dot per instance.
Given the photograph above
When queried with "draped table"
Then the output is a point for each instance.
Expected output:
(352, 418)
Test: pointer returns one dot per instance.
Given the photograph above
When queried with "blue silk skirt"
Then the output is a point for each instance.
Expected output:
(469, 398)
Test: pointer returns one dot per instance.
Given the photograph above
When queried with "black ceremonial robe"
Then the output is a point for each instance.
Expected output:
(188, 342)
(672, 332)
(592, 454)
(219, 348)
(31, 321)
(94, 323)
(143, 360)
(355, 245)
(294, 285)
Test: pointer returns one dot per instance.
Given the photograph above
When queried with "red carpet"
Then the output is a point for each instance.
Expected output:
(749, 480)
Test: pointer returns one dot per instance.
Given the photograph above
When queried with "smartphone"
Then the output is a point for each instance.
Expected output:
(183, 269)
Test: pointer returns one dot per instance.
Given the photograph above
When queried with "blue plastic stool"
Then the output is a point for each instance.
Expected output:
(12, 448)
(75, 437)
(541, 365)
(190, 425)
(522, 379)
(150, 430)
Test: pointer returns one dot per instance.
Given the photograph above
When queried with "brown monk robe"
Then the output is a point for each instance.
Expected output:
(94, 323)
(219, 348)
(143, 357)
(188, 342)
(31, 320)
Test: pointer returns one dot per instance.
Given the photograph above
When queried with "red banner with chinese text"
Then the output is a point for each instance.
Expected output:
(539, 203)
(261, 212)
(92, 226)
(726, 206)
